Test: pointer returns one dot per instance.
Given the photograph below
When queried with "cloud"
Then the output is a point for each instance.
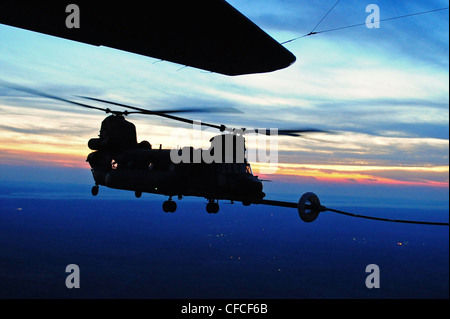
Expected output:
(359, 147)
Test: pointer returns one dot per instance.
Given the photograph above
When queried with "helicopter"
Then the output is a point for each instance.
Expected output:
(221, 172)
(119, 161)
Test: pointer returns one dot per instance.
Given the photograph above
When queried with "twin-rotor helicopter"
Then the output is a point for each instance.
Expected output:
(119, 161)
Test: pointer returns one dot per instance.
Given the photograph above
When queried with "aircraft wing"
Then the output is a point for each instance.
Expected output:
(205, 34)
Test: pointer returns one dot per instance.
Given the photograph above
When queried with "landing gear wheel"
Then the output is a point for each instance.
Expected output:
(212, 207)
(166, 206)
(138, 194)
(169, 206)
(309, 207)
(94, 190)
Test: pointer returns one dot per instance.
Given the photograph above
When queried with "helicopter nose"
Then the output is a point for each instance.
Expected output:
(253, 186)
(258, 186)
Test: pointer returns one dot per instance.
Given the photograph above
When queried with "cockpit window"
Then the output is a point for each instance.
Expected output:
(248, 169)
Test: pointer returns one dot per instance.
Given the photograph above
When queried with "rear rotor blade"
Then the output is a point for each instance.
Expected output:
(300, 132)
(291, 132)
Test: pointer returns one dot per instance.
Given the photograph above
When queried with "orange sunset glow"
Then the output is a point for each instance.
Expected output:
(349, 174)
(360, 174)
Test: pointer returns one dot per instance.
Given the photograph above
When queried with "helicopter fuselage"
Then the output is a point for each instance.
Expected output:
(119, 162)
(152, 171)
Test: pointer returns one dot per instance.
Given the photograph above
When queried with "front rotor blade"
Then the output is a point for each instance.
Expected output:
(157, 113)
(49, 96)
(227, 109)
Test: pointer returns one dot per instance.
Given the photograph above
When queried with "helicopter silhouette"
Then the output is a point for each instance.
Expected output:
(119, 161)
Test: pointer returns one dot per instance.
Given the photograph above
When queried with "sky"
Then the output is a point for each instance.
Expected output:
(383, 92)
